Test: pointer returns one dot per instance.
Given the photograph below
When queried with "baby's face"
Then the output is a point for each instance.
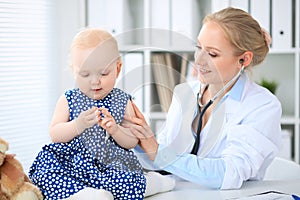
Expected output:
(96, 70)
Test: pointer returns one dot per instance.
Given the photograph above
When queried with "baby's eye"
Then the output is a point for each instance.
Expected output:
(198, 47)
(84, 74)
(104, 73)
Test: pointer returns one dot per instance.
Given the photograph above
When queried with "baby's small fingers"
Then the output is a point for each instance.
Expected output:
(105, 112)
(109, 124)
(95, 120)
(91, 110)
(92, 117)
(104, 121)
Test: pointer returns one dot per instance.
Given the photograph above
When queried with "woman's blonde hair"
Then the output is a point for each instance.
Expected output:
(243, 32)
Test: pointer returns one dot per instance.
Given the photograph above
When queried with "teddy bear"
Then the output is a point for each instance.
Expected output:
(14, 183)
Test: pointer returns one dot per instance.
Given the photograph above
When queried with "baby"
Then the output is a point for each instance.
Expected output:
(91, 150)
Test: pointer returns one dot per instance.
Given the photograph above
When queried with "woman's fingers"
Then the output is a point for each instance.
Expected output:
(135, 120)
(138, 112)
(140, 132)
(139, 119)
(137, 134)
(135, 130)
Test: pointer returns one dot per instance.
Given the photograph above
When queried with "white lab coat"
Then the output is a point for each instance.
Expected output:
(239, 141)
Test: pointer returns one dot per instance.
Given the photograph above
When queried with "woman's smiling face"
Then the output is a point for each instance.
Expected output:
(215, 61)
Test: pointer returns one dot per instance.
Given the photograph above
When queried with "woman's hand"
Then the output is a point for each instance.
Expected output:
(139, 127)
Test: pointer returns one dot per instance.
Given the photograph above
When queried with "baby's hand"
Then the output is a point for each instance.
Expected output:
(107, 121)
(87, 119)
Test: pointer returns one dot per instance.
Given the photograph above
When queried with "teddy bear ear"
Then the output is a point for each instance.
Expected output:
(3, 149)
(3, 146)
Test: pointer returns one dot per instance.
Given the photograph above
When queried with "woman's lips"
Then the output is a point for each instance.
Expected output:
(203, 71)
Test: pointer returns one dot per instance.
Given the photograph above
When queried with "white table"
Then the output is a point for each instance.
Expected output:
(186, 190)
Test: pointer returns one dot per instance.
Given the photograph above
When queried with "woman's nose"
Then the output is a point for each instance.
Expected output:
(200, 55)
(202, 58)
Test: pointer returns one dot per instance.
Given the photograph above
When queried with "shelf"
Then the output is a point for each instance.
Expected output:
(283, 51)
(289, 120)
(152, 48)
(158, 115)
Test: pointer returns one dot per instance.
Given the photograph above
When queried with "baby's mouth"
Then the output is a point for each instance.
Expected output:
(96, 90)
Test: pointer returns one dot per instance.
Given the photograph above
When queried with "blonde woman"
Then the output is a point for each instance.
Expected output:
(222, 129)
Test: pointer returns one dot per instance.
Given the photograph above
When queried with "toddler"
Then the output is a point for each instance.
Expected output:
(91, 152)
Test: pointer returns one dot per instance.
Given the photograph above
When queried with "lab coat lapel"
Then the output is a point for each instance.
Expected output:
(223, 113)
(214, 132)
(184, 139)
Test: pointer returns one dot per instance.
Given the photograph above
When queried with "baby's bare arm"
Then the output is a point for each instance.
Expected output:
(121, 135)
(63, 130)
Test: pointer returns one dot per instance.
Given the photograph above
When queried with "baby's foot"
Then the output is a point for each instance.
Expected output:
(157, 183)
(91, 194)
(104, 195)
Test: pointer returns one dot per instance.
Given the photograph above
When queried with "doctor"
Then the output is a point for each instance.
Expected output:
(223, 129)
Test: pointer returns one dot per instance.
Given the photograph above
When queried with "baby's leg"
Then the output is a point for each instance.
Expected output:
(91, 194)
(157, 183)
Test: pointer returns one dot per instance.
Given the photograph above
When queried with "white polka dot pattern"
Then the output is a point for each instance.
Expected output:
(62, 169)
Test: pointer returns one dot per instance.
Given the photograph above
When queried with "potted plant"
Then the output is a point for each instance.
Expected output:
(271, 85)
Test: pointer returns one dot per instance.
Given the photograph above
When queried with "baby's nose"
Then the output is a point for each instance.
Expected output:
(96, 79)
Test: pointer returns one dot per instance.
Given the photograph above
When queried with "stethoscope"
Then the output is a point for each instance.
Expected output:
(209, 103)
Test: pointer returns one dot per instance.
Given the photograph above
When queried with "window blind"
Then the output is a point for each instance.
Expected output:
(26, 75)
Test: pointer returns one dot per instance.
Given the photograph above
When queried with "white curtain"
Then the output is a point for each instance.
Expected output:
(27, 63)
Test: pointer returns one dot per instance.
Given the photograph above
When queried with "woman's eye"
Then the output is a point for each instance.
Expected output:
(212, 55)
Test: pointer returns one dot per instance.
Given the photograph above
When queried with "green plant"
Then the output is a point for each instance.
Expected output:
(271, 85)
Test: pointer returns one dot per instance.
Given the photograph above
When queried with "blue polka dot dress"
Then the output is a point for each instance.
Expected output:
(89, 160)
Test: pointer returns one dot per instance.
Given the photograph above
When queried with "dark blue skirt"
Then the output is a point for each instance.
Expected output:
(62, 169)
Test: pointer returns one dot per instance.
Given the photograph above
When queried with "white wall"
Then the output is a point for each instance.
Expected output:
(70, 18)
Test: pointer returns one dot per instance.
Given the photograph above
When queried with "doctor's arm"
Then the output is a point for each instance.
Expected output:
(139, 127)
(209, 172)
(249, 145)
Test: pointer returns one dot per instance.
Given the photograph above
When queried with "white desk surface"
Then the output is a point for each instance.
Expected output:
(186, 190)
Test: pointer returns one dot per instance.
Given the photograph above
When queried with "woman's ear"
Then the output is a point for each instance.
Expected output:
(246, 58)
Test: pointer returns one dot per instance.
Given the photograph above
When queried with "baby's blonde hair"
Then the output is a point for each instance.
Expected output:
(91, 38)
